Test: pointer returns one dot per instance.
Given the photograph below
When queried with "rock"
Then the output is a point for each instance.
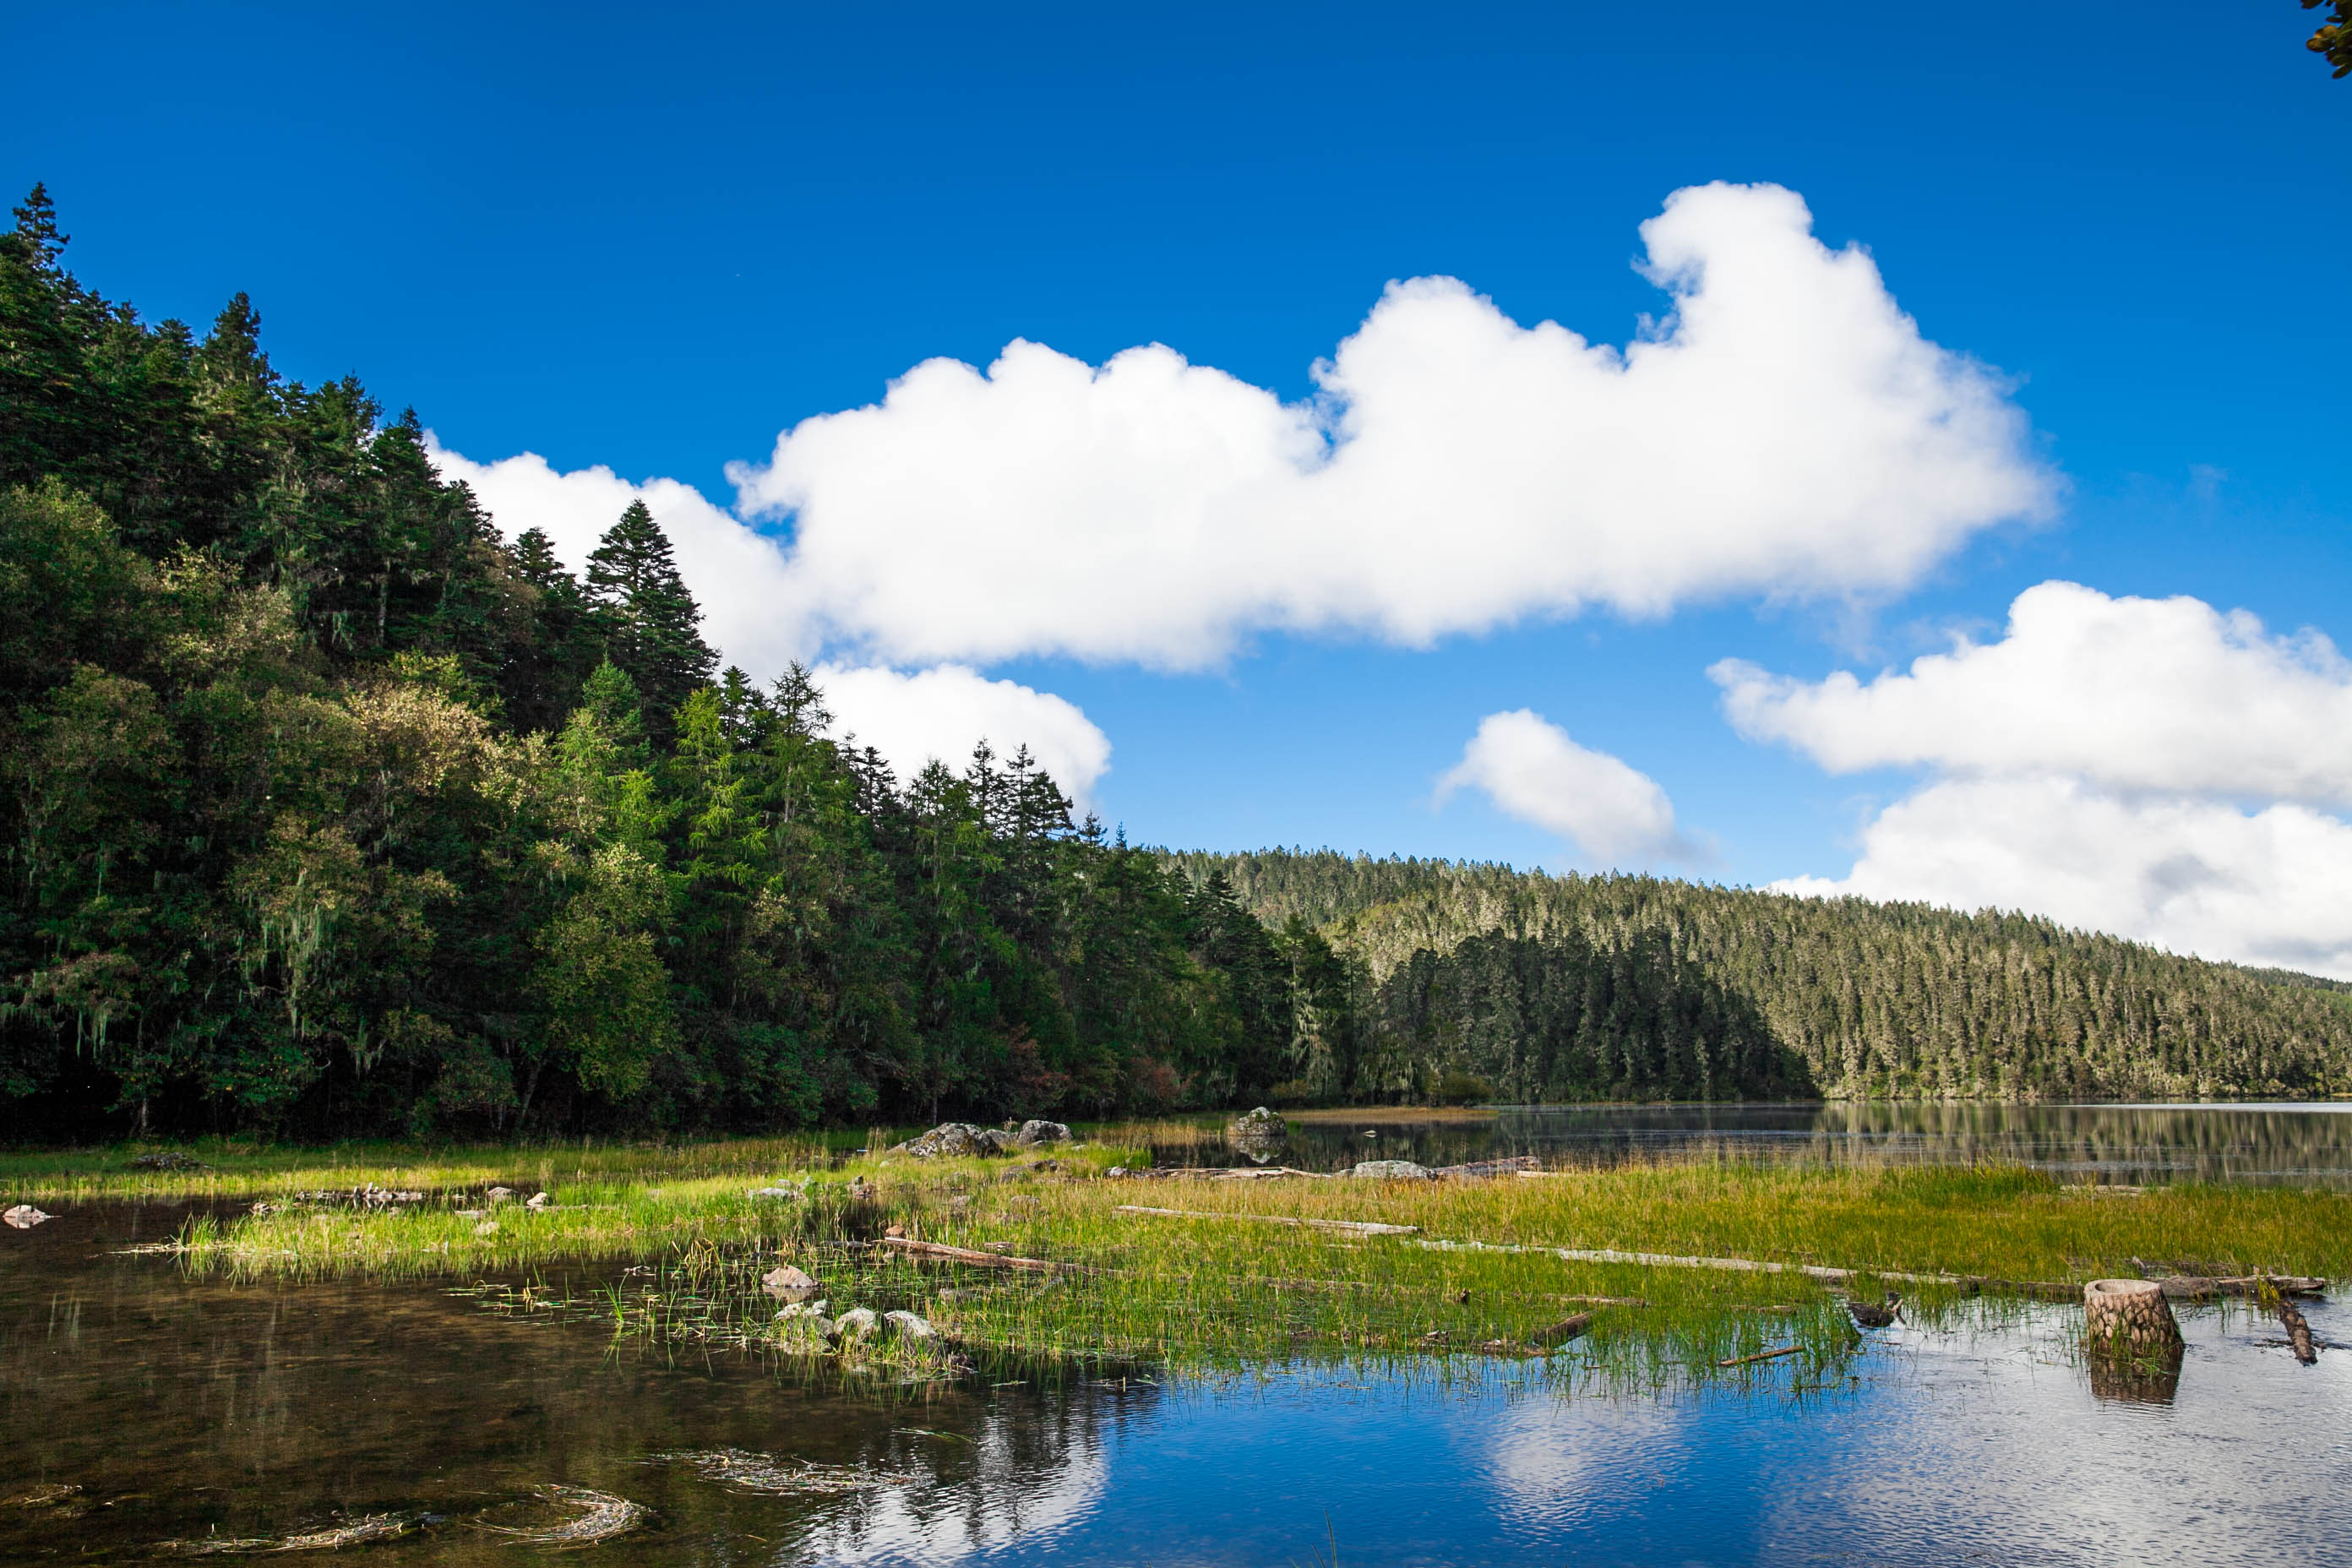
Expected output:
(1116, 1170)
(1033, 1133)
(1258, 1126)
(539, 1201)
(858, 1323)
(25, 1217)
(805, 1327)
(895, 1232)
(1393, 1171)
(757, 1193)
(499, 1195)
(787, 1283)
(908, 1326)
(956, 1141)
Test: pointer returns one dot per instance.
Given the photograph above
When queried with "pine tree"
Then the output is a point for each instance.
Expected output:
(648, 617)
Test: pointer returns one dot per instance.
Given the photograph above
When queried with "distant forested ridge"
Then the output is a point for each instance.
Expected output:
(328, 808)
(1573, 987)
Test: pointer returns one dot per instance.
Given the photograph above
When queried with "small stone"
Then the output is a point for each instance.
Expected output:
(25, 1217)
(499, 1195)
(1116, 1170)
(539, 1201)
(895, 1232)
(787, 1283)
(908, 1326)
(1393, 1171)
(858, 1323)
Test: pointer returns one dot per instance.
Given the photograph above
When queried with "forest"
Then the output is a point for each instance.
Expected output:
(331, 809)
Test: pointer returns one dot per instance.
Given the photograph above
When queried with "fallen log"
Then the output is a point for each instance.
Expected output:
(2050, 1289)
(2197, 1288)
(1352, 1226)
(978, 1259)
(1560, 1334)
(1264, 1173)
(1479, 1170)
(1762, 1356)
(2298, 1331)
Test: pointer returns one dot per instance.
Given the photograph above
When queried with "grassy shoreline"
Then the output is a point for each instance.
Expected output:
(1217, 1286)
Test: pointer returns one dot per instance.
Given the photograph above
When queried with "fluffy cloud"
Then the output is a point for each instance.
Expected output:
(1532, 770)
(2136, 694)
(2261, 887)
(943, 713)
(736, 573)
(2140, 766)
(1785, 431)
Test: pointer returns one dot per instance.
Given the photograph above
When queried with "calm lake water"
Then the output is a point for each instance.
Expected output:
(185, 1410)
(2295, 1144)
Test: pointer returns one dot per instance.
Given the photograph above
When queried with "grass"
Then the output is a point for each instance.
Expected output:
(1215, 1292)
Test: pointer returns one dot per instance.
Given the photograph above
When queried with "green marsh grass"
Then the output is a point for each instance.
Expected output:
(1226, 1291)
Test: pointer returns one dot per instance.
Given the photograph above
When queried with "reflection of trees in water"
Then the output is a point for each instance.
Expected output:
(257, 1412)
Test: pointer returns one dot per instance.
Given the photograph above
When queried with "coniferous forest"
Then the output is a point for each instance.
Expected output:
(331, 809)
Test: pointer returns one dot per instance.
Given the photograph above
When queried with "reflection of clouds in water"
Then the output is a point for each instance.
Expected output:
(1998, 1452)
(1555, 1464)
(1028, 1477)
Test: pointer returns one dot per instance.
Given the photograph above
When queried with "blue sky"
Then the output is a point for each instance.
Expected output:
(654, 241)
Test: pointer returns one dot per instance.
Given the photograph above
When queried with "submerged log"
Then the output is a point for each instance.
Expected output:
(1353, 1226)
(2298, 1333)
(2130, 1315)
(1761, 1355)
(1560, 1334)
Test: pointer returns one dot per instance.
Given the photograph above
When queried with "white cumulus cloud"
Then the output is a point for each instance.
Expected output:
(2149, 767)
(1787, 430)
(943, 712)
(2195, 876)
(1531, 770)
(2137, 694)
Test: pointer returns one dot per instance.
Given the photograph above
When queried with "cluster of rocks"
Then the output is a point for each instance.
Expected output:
(168, 1160)
(803, 1324)
(963, 1140)
(367, 1195)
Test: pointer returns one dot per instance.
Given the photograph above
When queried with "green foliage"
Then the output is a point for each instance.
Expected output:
(2333, 40)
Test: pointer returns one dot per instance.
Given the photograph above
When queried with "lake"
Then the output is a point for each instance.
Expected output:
(2298, 1144)
(148, 1415)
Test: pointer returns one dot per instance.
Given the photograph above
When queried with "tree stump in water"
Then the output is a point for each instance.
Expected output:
(2130, 1316)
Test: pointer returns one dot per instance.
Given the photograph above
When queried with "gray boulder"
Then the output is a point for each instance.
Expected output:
(956, 1141)
(1033, 1133)
(858, 1323)
(787, 1283)
(1258, 1126)
(1393, 1171)
(909, 1326)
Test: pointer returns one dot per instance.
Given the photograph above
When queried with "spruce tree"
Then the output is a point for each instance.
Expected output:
(648, 617)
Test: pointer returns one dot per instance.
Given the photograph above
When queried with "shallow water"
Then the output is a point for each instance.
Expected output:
(2293, 1144)
(190, 1409)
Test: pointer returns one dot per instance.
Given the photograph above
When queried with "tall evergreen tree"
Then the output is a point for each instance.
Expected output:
(648, 619)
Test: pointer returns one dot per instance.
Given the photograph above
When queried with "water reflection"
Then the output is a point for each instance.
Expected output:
(189, 1409)
(2298, 1144)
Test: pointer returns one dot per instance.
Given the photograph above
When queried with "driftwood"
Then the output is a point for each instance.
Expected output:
(2197, 1288)
(1263, 1173)
(2298, 1331)
(2052, 1289)
(946, 1254)
(1761, 1355)
(1353, 1226)
(1560, 1334)
(1479, 1170)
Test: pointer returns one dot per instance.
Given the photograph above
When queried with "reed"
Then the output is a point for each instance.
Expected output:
(1226, 1291)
